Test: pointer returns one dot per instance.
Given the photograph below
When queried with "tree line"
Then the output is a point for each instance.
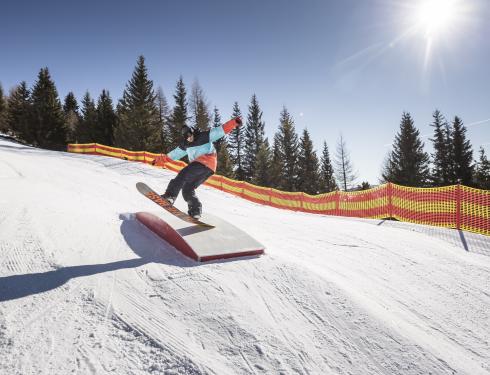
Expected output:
(450, 163)
(143, 120)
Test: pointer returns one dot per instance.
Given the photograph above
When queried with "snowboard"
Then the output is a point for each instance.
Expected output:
(151, 194)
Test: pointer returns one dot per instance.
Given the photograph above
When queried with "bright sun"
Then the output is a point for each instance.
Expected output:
(436, 16)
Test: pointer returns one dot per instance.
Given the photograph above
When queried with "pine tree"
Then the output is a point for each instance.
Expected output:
(482, 171)
(217, 123)
(441, 173)
(199, 108)
(48, 120)
(236, 146)
(163, 118)
(327, 177)
(462, 154)
(308, 166)
(72, 117)
(178, 118)
(86, 129)
(344, 171)
(288, 150)
(3, 112)
(70, 103)
(262, 171)
(138, 126)
(105, 119)
(408, 163)
(276, 163)
(216, 118)
(225, 164)
(254, 137)
(19, 115)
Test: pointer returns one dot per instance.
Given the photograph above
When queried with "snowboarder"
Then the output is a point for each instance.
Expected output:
(198, 146)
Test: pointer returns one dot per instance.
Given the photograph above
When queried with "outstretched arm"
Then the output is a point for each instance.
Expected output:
(220, 131)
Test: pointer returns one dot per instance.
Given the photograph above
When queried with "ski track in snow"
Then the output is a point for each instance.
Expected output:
(86, 289)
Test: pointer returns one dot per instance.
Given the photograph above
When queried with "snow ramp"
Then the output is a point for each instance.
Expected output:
(202, 244)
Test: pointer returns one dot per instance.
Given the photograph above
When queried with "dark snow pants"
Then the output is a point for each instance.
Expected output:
(188, 180)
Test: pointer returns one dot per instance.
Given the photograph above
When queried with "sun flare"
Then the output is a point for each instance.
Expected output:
(436, 16)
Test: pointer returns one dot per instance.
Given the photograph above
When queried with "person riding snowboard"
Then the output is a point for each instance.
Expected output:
(198, 146)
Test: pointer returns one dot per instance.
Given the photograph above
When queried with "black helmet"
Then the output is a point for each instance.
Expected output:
(187, 131)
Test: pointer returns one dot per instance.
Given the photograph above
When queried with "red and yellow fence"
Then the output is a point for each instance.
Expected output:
(456, 206)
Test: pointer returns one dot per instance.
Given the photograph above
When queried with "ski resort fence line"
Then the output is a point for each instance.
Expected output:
(455, 206)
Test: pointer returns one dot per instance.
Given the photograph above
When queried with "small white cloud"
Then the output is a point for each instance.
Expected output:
(301, 114)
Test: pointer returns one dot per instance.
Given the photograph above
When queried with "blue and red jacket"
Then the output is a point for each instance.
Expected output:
(202, 149)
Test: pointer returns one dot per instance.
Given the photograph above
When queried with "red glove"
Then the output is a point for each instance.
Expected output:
(160, 160)
(228, 126)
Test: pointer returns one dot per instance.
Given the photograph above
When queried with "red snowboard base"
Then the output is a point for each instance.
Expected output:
(202, 244)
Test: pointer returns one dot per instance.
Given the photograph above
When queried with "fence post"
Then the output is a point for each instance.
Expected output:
(458, 206)
(242, 193)
(390, 200)
(337, 203)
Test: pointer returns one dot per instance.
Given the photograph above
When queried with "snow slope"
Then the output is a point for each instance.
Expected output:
(86, 289)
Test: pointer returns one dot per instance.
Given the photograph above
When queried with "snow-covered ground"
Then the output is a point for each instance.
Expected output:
(85, 289)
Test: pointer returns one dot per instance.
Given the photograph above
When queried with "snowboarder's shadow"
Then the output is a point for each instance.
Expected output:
(24, 285)
(147, 246)
(148, 249)
(19, 286)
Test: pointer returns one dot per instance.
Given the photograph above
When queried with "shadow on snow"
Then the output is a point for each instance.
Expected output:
(148, 247)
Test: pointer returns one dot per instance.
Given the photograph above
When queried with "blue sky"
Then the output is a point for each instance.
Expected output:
(343, 66)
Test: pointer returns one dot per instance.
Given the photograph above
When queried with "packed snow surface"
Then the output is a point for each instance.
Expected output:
(86, 289)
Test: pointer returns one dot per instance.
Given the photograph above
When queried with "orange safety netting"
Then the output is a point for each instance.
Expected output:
(456, 206)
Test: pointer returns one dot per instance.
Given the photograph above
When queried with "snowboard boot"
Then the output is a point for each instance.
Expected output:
(168, 198)
(195, 212)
